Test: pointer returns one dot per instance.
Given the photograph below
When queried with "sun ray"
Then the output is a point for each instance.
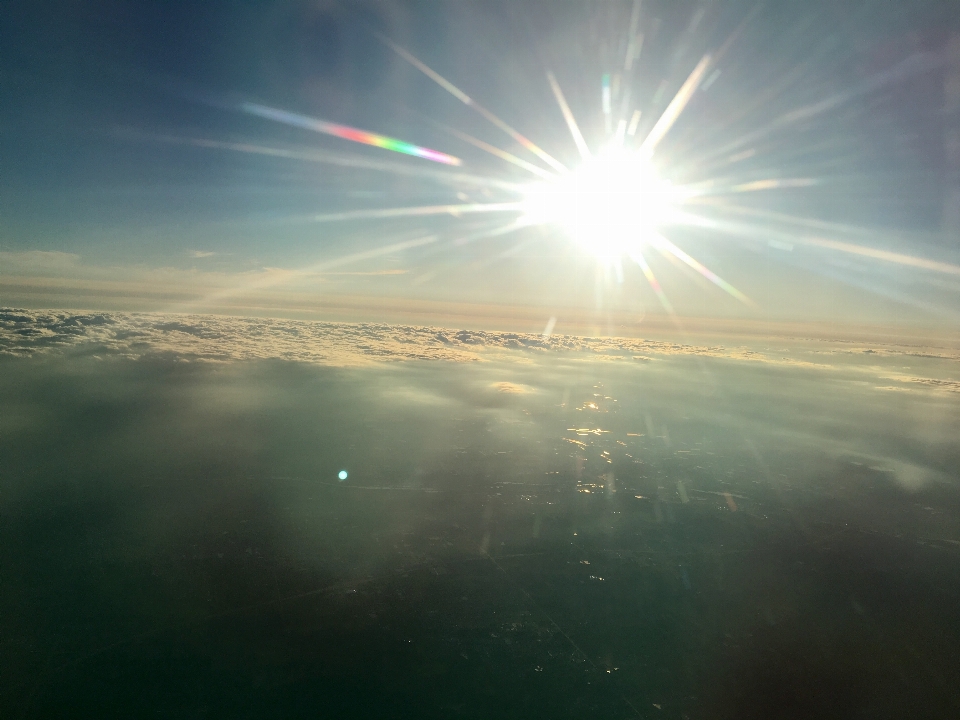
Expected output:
(885, 255)
(773, 184)
(373, 253)
(502, 154)
(637, 256)
(634, 39)
(799, 237)
(513, 225)
(665, 246)
(620, 135)
(419, 211)
(568, 116)
(280, 277)
(676, 106)
(793, 220)
(284, 276)
(738, 31)
(605, 97)
(470, 102)
(348, 133)
(340, 159)
(916, 64)
(485, 234)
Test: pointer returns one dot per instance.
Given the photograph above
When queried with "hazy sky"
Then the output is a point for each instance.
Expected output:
(133, 179)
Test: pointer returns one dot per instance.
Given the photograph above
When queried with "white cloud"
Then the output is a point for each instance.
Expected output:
(209, 337)
(226, 338)
(33, 261)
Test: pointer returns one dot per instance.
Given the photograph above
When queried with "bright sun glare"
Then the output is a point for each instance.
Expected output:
(611, 204)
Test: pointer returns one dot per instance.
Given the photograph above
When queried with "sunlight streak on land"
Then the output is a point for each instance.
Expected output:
(568, 116)
(470, 102)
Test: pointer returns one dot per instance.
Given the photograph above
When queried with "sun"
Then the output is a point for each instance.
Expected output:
(615, 204)
(611, 204)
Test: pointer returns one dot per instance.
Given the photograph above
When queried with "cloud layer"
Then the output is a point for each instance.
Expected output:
(208, 337)
(212, 338)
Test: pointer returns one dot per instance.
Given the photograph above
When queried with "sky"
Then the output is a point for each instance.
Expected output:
(166, 157)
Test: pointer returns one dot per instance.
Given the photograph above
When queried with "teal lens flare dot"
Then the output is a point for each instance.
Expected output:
(342, 475)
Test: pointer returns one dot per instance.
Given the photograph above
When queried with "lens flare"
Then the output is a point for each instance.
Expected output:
(611, 203)
(348, 133)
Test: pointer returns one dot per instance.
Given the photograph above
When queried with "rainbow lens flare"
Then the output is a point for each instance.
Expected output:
(348, 133)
